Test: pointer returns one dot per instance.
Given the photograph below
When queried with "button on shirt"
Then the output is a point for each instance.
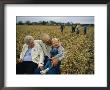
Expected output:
(27, 56)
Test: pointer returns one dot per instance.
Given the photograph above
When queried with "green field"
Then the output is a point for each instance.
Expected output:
(79, 49)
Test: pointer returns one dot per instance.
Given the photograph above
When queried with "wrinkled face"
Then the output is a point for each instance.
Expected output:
(47, 41)
(55, 43)
(31, 44)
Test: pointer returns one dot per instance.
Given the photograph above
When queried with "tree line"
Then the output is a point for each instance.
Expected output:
(46, 23)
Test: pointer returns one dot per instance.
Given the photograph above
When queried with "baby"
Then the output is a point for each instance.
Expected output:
(57, 52)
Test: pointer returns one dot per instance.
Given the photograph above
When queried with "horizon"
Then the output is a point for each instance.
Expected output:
(61, 19)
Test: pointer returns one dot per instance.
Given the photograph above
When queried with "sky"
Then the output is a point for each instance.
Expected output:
(63, 19)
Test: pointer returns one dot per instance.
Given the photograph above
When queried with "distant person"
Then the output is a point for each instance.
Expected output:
(62, 28)
(73, 28)
(77, 29)
(85, 30)
(57, 52)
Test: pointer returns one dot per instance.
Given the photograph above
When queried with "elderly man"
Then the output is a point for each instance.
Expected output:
(46, 45)
(31, 57)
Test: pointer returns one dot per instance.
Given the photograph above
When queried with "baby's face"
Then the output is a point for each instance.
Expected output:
(55, 43)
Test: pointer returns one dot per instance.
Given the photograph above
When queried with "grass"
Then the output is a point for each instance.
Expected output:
(79, 49)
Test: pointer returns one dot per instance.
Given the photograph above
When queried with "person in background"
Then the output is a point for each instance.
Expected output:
(62, 28)
(77, 29)
(31, 57)
(85, 30)
(73, 28)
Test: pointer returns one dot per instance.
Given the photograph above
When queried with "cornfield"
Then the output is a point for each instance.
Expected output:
(79, 48)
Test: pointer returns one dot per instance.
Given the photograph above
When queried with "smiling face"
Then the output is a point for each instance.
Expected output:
(55, 42)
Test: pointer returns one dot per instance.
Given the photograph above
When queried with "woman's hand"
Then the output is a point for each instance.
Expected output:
(20, 61)
(41, 66)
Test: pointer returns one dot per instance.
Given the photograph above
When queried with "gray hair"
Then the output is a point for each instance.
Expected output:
(45, 36)
(27, 39)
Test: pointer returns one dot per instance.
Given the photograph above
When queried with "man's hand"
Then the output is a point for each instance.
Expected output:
(54, 61)
(52, 58)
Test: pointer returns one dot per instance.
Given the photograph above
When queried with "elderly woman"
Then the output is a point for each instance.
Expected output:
(31, 57)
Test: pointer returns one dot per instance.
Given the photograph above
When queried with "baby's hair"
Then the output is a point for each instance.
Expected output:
(56, 39)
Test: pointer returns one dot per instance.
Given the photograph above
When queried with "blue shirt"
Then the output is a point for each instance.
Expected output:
(57, 52)
(27, 56)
